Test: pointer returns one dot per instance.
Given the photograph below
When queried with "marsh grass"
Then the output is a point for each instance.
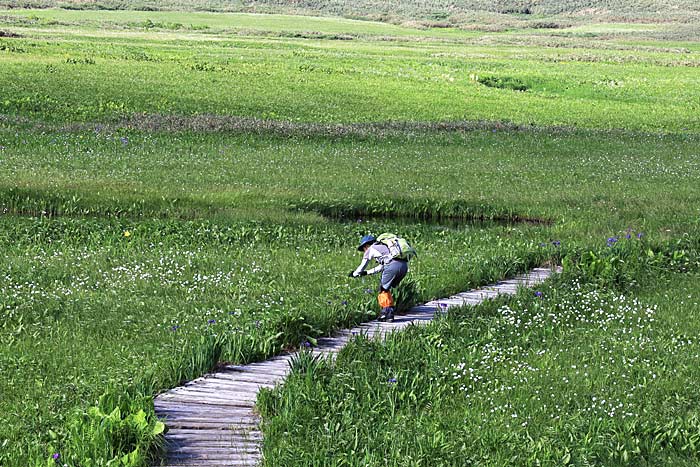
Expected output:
(170, 198)
(573, 373)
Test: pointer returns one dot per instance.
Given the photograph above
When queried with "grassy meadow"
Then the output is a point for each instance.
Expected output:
(180, 189)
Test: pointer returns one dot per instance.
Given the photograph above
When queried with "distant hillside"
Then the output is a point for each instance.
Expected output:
(447, 11)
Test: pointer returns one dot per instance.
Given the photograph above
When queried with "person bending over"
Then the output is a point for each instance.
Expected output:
(392, 270)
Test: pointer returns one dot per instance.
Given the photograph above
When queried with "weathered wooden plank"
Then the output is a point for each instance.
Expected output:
(201, 442)
(238, 463)
(212, 463)
(206, 416)
(173, 408)
(231, 386)
(274, 369)
(223, 393)
(199, 424)
(236, 400)
(471, 297)
(413, 316)
(268, 371)
(214, 458)
(332, 342)
(196, 452)
(334, 345)
(180, 434)
(246, 378)
(242, 427)
(178, 395)
(224, 404)
(231, 382)
(232, 393)
(504, 285)
(280, 365)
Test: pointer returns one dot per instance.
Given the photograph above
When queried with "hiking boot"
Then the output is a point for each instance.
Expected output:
(387, 314)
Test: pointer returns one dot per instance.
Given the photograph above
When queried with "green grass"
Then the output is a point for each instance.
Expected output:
(111, 310)
(179, 189)
(114, 73)
(229, 22)
(439, 12)
(581, 375)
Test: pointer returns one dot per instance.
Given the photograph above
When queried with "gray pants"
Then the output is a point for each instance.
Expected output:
(393, 273)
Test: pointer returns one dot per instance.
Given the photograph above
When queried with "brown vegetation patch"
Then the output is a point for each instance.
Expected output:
(243, 125)
(9, 34)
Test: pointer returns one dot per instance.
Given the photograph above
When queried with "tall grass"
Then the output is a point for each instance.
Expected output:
(576, 372)
(172, 197)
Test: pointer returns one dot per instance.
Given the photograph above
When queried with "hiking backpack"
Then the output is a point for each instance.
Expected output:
(399, 248)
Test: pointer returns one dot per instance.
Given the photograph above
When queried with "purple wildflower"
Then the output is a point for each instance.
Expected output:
(174, 328)
(211, 321)
(556, 243)
(56, 456)
(612, 241)
(124, 140)
(344, 302)
(543, 244)
(640, 235)
(307, 344)
(538, 294)
(391, 380)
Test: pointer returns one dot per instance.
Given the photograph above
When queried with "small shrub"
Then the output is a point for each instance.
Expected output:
(11, 48)
(80, 61)
(504, 82)
(9, 34)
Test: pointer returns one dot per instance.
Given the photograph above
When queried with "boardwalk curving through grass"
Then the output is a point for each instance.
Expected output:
(212, 420)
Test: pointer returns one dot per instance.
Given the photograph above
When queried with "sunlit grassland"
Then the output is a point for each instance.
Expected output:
(314, 80)
(436, 12)
(639, 181)
(573, 375)
(171, 183)
(93, 305)
(228, 22)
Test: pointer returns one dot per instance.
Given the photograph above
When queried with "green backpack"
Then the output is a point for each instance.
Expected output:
(399, 248)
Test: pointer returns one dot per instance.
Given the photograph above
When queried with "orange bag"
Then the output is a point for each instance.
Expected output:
(385, 299)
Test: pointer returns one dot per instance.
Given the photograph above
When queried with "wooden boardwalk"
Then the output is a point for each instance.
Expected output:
(212, 422)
